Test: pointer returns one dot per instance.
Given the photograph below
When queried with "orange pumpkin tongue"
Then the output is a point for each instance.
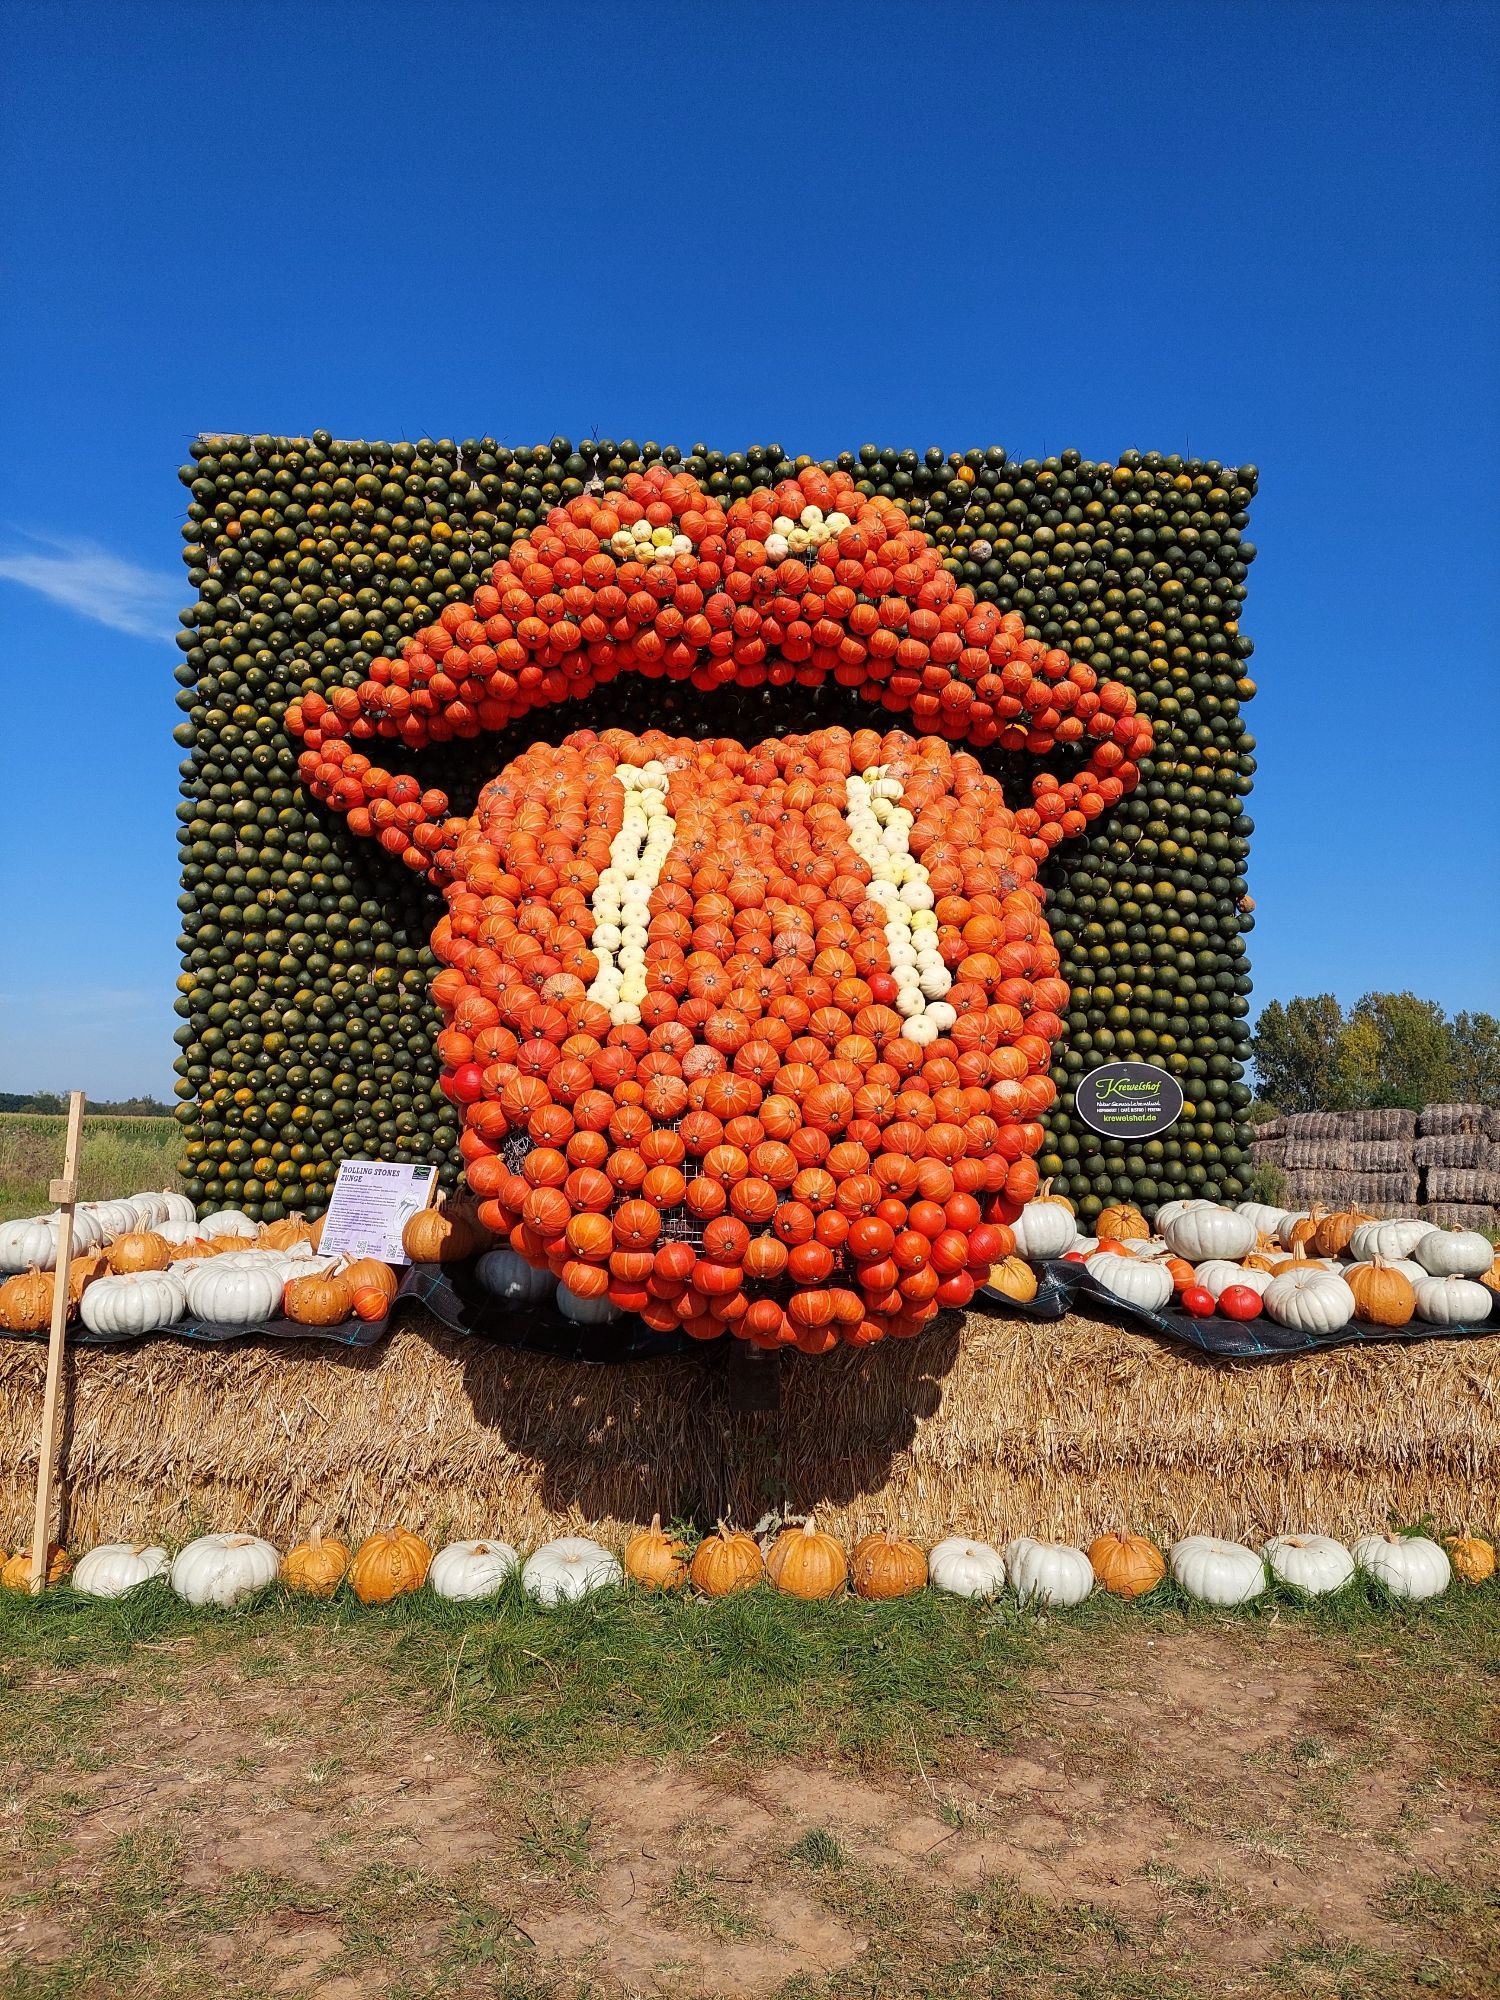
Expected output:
(821, 1163)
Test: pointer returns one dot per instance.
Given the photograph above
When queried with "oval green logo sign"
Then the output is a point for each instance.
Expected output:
(1129, 1100)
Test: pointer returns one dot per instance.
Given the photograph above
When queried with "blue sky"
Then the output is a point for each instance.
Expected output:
(1261, 233)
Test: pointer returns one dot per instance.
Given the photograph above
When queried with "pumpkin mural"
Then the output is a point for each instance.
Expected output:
(763, 1032)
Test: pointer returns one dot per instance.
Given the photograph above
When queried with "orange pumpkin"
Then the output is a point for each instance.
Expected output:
(886, 1566)
(806, 1563)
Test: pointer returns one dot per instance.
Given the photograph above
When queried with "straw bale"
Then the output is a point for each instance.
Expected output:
(1268, 1128)
(1475, 1185)
(1451, 1149)
(1461, 1215)
(1313, 1125)
(993, 1427)
(1390, 1124)
(1441, 1118)
(1373, 1192)
(1303, 1189)
(1492, 1123)
(1326, 1154)
(1380, 1156)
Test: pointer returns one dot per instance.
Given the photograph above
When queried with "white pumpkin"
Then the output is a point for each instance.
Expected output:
(87, 1232)
(1215, 1571)
(30, 1244)
(965, 1568)
(465, 1571)
(137, 1303)
(1170, 1210)
(176, 1207)
(115, 1567)
(1044, 1229)
(1453, 1301)
(148, 1209)
(244, 1296)
(227, 1222)
(1315, 1564)
(1409, 1566)
(1218, 1274)
(115, 1218)
(511, 1278)
(1144, 1246)
(221, 1569)
(1284, 1233)
(1201, 1233)
(1129, 1278)
(1310, 1301)
(1086, 1246)
(1048, 1572)
(180, 1232)
(586, 1312)
(1390, 1240)
(564, 1570)
(1454, 1253)
(1267, 1220)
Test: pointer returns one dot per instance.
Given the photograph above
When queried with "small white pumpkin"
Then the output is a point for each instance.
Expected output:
(136, 1303)
(115, 1567)
(1315, 1564)
(148, 1209)
(1218, 1274)
(1267, 1220)
(586, 1312)
(115, 1218)
(561, 1571)
(1048, 1572)
(465, 1571)
(29, 1244)
(1310, 1301)
(243, 1296)
(221, 1569)
(1144, 1246)
(87, 1231)
(1129, 1278)
(511, 1278)
(1390, 1240)
(227, 1222)
(966, 1568)
(1044, 1229)
(1453, 1301)
(1409, 1566)
(176, 1232)
(176, 1208)
(1215, 1571)
(1201, 1233)
(1293, 1217)
(1454, 1253)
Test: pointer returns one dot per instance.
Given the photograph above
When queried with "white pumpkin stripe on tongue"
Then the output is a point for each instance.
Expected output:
(878, 824)
(619, 903)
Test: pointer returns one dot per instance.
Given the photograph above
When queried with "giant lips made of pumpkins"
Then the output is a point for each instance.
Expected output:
(701, 993)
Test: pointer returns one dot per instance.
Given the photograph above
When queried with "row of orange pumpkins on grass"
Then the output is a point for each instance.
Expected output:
(799, 1559)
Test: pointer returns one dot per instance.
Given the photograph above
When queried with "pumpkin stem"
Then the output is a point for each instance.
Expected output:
(656, 1524)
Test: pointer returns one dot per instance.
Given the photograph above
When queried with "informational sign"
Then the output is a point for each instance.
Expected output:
(373, 1200)
(1129, 1100)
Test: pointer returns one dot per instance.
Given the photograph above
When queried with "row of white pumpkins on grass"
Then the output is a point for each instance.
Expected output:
(1388, 1273)
(803, 1561)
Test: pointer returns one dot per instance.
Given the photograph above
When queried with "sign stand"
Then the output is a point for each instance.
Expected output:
(65, 1194)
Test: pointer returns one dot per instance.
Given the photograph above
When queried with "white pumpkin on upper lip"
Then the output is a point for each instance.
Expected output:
(1313, 1563)
(1200, 1233)
(561, 1571)
(1048, 1572)
(1309, 1301)
(1133, 1279)
(966, 1568)
(1390, 1240)
(1216, 1571)
(1045, 1227)
(1453, 1301)
(466, 1571)
(1267, 1220)
(1409, 1566)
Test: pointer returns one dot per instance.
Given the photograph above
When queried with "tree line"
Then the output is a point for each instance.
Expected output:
(50, 1103)
(1390, 1050)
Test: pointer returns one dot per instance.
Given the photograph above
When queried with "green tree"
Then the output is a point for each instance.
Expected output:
(1476, 1058)
(1394, 1050)
(1295, 1052)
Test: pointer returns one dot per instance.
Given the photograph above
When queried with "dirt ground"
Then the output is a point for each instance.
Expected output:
(1194, 1812)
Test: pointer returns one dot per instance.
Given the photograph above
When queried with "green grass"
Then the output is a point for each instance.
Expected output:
(119, 1156)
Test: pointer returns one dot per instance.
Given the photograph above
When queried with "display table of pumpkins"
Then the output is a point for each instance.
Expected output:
(1248, 1282)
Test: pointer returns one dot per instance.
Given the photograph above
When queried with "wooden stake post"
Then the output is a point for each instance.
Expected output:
(65, 1194)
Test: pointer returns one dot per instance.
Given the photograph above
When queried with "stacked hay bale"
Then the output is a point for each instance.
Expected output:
(1444, 1161)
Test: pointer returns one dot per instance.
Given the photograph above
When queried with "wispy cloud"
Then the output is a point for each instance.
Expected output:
(87, 579)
